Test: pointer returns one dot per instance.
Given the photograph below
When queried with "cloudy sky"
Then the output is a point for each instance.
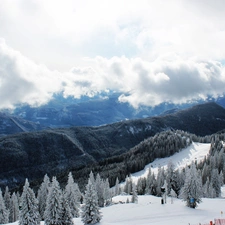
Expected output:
(150, 50)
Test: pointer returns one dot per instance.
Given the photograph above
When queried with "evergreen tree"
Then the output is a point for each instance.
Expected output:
(192, 189)
(170, 176)
(150, 183)
(221, 178)
(7, 197)
(107, 193)
(134, 198)
(4, 213)
(141, 186)
(211, 191)
(53, 211)
(99, 187)
(72, 196)
(90, 209)
(160, 180)
(42, 195)
(176, 182)
(206, 188)
(117, 187)
(128, 185)
(92, 178)
(14, 208)
(216, 182)
(205, 173)
(29, 207)
(67, 218)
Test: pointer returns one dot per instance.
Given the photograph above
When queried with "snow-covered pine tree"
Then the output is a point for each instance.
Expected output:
(107, 193)
(170, 175)
(150, 183)
(141, 186)
(13, 208)
(72, 196)
(221, 178)
(78, 193)
(134, 198)
(67, 218)
(4, 213)
(117, 187)
(90, 209)
(160, 180)
(191, 192)
(205, 188)
(128, 185)
(29, 207)
(216, 182)
(53, 210)
(7, 197)
(42, 195)
(211, 191)
(92, 178)
(99, 187)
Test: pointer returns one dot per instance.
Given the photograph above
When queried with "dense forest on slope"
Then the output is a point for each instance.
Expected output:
(58, 151)
(161, 145)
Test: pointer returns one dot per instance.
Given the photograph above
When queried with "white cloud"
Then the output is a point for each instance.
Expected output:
(59, 33)
(168, 78)
(152, 51)
(164, 80)
(22, 81)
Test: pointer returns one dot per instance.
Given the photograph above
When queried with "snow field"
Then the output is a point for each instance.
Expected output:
(196, 151)
(149, 210)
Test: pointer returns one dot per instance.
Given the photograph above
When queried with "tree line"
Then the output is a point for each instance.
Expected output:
(161, 145)
(54, 205)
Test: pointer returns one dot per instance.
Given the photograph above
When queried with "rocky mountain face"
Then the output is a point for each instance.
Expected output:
(55, 151)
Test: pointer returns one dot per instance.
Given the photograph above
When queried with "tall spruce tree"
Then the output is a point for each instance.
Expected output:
(72, 196)
(42, 195)
(134, 198)
(216, 182)
(90, 209)
(4, 213)
(107, 193)
(13, 208)
(53, 211)
(67, 218)
(192, 192)
(170, 176)
(7, 197)
(117, 187)
(29, 207)
(99, 187)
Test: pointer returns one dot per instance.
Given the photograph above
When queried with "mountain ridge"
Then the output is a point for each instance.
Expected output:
(33, 154)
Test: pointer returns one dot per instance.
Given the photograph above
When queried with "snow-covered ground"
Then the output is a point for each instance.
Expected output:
(149, 209)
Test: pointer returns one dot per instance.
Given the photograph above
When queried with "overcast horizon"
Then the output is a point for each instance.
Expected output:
(152, 51)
